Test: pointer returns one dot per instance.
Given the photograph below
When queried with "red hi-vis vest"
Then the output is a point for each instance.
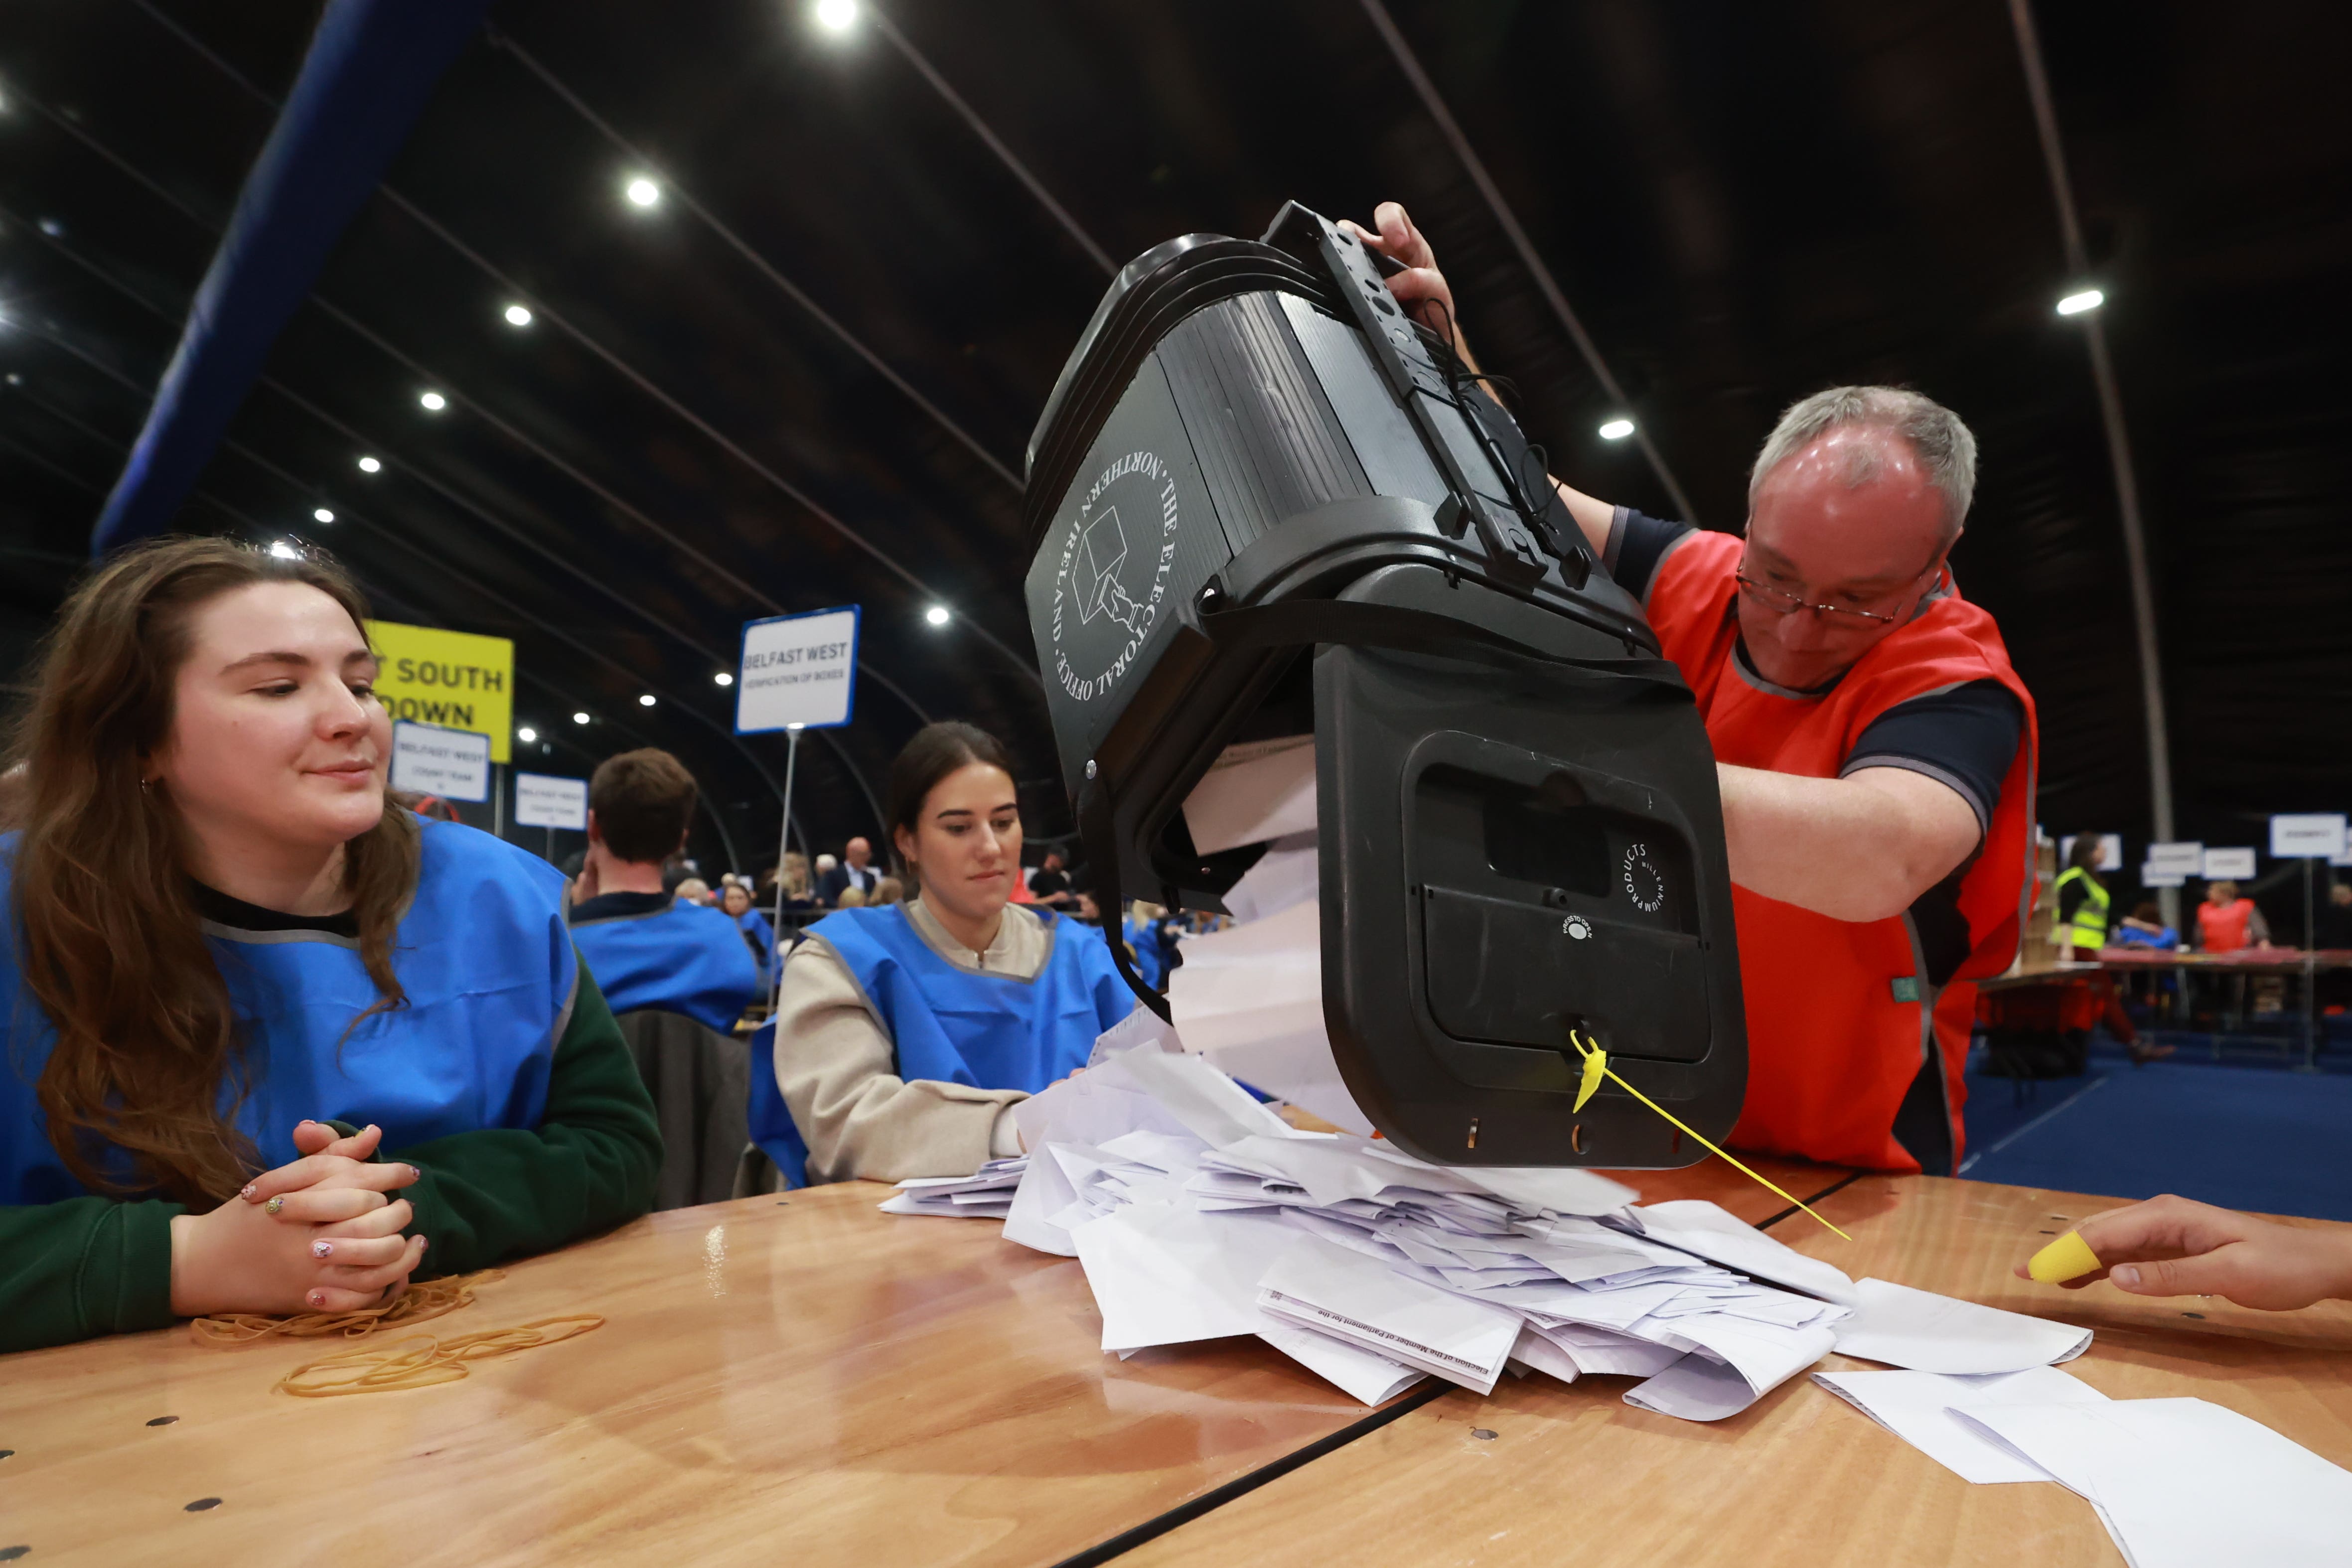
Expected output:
(2223, 925)
(1844, 1021)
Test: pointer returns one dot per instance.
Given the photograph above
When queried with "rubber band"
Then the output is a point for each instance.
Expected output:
(419, 1303)
(421, 1361)
(1596, 1067)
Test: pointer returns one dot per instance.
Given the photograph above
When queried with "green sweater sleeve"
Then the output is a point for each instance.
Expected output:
(589, 1165)
(92, 1266)
(84, 1267)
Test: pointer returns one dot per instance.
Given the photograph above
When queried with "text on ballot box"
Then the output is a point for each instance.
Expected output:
(454, 764)
(542, 800)
(2307, 835)
(2235, 864)
(799, 672)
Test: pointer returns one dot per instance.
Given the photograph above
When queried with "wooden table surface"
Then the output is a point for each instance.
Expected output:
(1545, 1474)
(807, 1381)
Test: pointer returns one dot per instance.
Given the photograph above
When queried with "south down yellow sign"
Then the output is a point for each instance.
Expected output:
(453, 679)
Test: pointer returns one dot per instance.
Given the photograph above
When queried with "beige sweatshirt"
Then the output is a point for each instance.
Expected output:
(839, 1069)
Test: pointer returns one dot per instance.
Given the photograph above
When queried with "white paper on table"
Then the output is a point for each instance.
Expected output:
(1091, 1107)
(1603, 1352)
(1166, 1275)
(1137, 1031)
(1707, 1228)
(1361, 1374)
(1696, 1388)
(1759, 1355)
(2184, 1483)
(1258, 791)
(1045, 1191)
(1919, 1408)
(1207, 1103)
(1349, 1296)
(1537, 1353)
(1288, 875)
(1561, 1189)
(1928, 1333)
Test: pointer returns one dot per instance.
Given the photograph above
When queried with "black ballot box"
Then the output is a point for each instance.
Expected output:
(1267, 505)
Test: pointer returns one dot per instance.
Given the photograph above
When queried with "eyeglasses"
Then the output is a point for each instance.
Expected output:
(1781, 602)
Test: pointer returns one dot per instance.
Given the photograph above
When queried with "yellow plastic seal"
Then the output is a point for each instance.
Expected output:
(1596, 1065)
(2068, 1258)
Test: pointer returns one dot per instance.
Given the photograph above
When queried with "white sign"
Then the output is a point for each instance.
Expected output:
(2232, 863)
(2153, 875)
(2309, 835)
(2111, 851)
(2179, 859)
(798, 671)
(427, 759)
(542, 800)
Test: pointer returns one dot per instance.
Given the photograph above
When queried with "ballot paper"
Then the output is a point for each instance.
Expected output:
(1340, 1292)
(1923, 1409)
(1927, 1332)
(2183, 1483)
(1258, 791)
(986, 1194)
(1708, 1229)
(1288, 875)
(1250, 999)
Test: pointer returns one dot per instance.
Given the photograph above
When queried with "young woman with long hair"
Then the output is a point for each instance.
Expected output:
(905, 1032)
(235, 979)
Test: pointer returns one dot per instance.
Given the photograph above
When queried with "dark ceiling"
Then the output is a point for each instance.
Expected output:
(819, 393)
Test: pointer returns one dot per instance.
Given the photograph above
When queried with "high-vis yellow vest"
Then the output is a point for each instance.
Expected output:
(2089, 927)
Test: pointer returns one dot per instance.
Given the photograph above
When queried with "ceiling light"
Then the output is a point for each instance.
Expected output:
(370, 465)
(647, 700)
(2084, 299)
(642, 192)
(837, 16)
(283, 550)
(937, 616)
(1617, 430)
(724, 678)
(580, 718)
(51, 227)
(518, 315)
(794, 726)
(526, 735)
(433, 402)
(323, 514)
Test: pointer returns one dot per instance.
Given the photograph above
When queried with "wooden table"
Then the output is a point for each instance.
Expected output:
(805, 1381)
(1542, 1474)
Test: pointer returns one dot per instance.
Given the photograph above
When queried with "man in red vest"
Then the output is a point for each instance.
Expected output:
(1875, 749)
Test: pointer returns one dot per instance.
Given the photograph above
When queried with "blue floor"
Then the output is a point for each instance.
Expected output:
(2247, 1132)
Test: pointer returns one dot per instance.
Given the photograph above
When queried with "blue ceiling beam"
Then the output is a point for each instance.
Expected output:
(371, 67)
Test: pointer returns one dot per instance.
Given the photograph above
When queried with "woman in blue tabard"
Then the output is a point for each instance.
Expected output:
(759, 932)
(906, 1033)
(233, 976)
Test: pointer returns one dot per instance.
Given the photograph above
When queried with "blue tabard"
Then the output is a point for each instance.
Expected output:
(490, 975)
(685, 959)
(989, 1031)
(762, 937)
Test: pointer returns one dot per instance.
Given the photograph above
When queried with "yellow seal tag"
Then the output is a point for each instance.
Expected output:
(2068, 1258)
(1596, 1066)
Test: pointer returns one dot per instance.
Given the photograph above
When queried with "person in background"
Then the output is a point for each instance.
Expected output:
(1151, 937)
(2080, 924)
(759, 931)
(2144, 928)
(693, 890)
(852, 898)
(1049, 884)
(236, 981)
(906, 1033)
(2228, 922)
(648, 949)
(2172, 1247)
(855, 869)
(432, 808)
(889, 890)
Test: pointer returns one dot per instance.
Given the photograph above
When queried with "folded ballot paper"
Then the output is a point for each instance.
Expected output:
(986, 1194)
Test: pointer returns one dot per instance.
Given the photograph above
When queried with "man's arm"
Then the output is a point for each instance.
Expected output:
(1860, 848)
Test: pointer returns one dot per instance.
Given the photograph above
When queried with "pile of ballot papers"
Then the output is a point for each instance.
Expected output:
(1198, 1213)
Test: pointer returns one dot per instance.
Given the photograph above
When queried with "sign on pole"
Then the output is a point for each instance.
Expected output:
(542, 800)
(2307, 835)
(454, 764)
(798, 671)
(2234, 864)
(2153, 875)
(2176, 860)
(2111, 851)
(452, 679)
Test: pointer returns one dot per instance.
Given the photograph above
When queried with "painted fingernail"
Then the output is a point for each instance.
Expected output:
(322, 1248)
(415, 1174)
(2125, 1275)
(318, 1298)
(275, 1205)
(246, 1192)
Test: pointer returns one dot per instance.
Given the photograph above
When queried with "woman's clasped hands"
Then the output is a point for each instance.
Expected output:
(318, 1234)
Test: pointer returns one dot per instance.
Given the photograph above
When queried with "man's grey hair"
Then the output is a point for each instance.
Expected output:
(1943, 443)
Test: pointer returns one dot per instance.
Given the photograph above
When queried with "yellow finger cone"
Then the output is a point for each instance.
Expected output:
(2068, 1258)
